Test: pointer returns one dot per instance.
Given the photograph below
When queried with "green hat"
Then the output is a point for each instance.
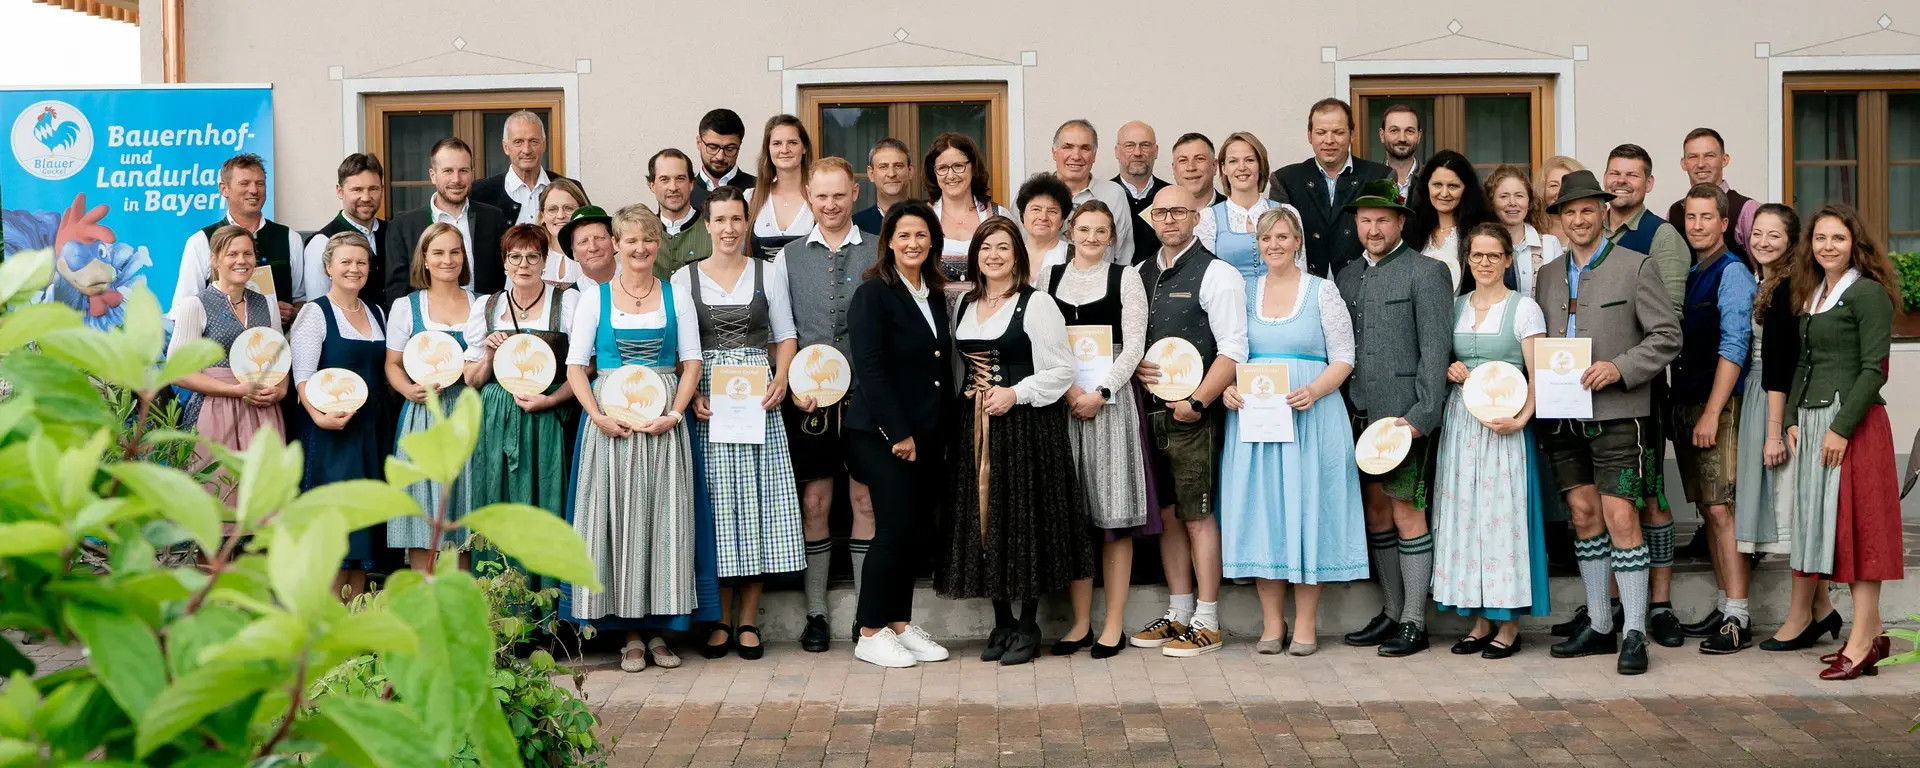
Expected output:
(1379, 193)
(1579, 185)
(586, 214)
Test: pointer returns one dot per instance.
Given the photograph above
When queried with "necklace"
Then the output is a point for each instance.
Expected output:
(654, 286)
(521, 311)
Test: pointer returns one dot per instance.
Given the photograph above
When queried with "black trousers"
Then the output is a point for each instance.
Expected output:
(902, 493)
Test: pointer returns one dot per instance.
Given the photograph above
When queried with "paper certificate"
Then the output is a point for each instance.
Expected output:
(1265, 416)
(262, 283)
(737, 414)
(1557, 392)
(1092, 354)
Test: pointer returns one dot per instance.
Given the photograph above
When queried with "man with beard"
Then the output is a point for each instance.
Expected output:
(1400, 134)
(718, 140)
(516, 191)
(1704, 158)
(1137, 151)
(1195, 168)
(480, 225)
(822, 270)
(670, 176)
(1614, 296)
(1073, 148)
(890, 169)
(361, 185)
(1402, 308)
(1321, 186)
(243, 187)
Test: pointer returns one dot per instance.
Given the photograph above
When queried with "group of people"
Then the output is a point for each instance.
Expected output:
(970, 438)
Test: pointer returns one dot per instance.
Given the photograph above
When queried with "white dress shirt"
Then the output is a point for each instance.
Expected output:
(527, 197)
(317, 282)
(196, 260)
(462, 223)
(1223, 295)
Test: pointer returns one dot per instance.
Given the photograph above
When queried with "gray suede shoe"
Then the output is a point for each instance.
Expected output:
(1302, 649)
(1270, 647)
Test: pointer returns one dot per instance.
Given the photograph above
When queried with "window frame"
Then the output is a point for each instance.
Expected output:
(469, 123)
(903, 119)
(1872, 164)
(1448, 92)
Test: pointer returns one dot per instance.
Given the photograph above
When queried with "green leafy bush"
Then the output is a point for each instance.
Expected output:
(216, 665)
(1908, 266)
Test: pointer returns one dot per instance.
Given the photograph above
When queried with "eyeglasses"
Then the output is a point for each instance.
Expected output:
(1177, 214)
(1136, 146)
(524, 258)
(720, 149)
(954, 169)
(563, 210)
(1485, 258)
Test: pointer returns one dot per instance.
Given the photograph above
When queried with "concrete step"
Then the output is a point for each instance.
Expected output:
(1344, 607)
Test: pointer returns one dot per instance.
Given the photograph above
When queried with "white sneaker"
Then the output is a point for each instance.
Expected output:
(883, 649)
(921, 645)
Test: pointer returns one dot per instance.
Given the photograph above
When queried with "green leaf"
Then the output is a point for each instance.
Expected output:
(402, 473)
(441, 451)
(270, 480)
(276, 636)
(145, 328)
(12, 660)
(17, 752)
(360, 503)
(105, 354)
(158, 586)
(369, 631)
(31, 322)
(198, 696)
(25, 272)
(63, 705)
(16, 412)
(370, 733)
(448, 678)
(31, 537)
(18, 703)
(77, 467)
(543, 542)
(124, 654)
(175, 494)
(492, 740)
(192, 635)
(101, 515)
(302, 563)
(61, 393)
(189, 359)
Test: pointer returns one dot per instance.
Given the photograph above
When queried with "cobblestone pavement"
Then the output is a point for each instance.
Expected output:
(1341, 707)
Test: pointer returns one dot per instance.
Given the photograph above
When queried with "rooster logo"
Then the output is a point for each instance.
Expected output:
(52, 140)
(823, 371)
(265, 354)
(1390, 443)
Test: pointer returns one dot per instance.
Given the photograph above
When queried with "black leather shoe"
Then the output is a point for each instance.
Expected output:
(1572, 626)
(1471, 645)
(1497, 651)
(1733, 637)
(997, 642)
(749, 652)
(1587, 643)
(1808, 636)
(1633, 654)
(1107, 651)
(1374, 633)
(1664, 628)
(1412, 639)
(816, 638)
(1707, 626)
(1024, 646)
(1065, 647)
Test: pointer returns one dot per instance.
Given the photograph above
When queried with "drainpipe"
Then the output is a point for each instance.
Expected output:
(173, 37)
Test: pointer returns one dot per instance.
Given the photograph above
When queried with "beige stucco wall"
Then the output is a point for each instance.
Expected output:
(1653, 69)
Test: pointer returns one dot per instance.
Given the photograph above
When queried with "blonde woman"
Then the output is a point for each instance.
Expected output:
(223, 408)
(557, 204)
(1546, 187)
(1519, 209)
(1225, 228)
(437, 303)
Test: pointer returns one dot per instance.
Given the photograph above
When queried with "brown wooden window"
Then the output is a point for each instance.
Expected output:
(401, 129)
(846, 120)
(1855, 138)
(1492, 119)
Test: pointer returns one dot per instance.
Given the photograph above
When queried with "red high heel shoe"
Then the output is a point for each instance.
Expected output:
(1845, 669)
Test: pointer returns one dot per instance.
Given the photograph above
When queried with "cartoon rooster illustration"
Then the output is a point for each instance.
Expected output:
(92, 270)
(53, 132)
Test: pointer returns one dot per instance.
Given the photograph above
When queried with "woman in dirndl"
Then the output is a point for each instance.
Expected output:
(1290, 512)
(745, 319)
(525, 441)
(1846, 491)
(339, 330)
(438, 303)
(635, 499)
(1489, 539)
(1108, 425)
(223, 408)
(1018, 528)
(1225, 228)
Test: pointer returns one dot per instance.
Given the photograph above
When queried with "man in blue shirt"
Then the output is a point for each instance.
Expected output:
(1708, 376)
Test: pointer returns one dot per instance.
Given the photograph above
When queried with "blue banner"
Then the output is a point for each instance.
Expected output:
(116, 179)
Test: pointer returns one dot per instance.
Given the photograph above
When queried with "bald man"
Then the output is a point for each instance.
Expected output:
(1136, 149)
(1203, 300)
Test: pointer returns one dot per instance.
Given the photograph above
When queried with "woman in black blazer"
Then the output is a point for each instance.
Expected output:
(902, 390)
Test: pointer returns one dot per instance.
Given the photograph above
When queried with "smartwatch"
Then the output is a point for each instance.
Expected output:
(1195, 404)
(1105, 394)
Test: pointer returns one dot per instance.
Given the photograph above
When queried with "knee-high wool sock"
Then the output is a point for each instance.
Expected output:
(819, 560)
(1383, 553)
(1416, 574)
(1630, 567)
(1659, 542)
(1595, 557)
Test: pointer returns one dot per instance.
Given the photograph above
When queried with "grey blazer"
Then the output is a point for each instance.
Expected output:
(1624, 308)
(1402, 310)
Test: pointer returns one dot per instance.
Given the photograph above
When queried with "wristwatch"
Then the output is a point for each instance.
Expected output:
(1195, 404)
(1105, 394)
